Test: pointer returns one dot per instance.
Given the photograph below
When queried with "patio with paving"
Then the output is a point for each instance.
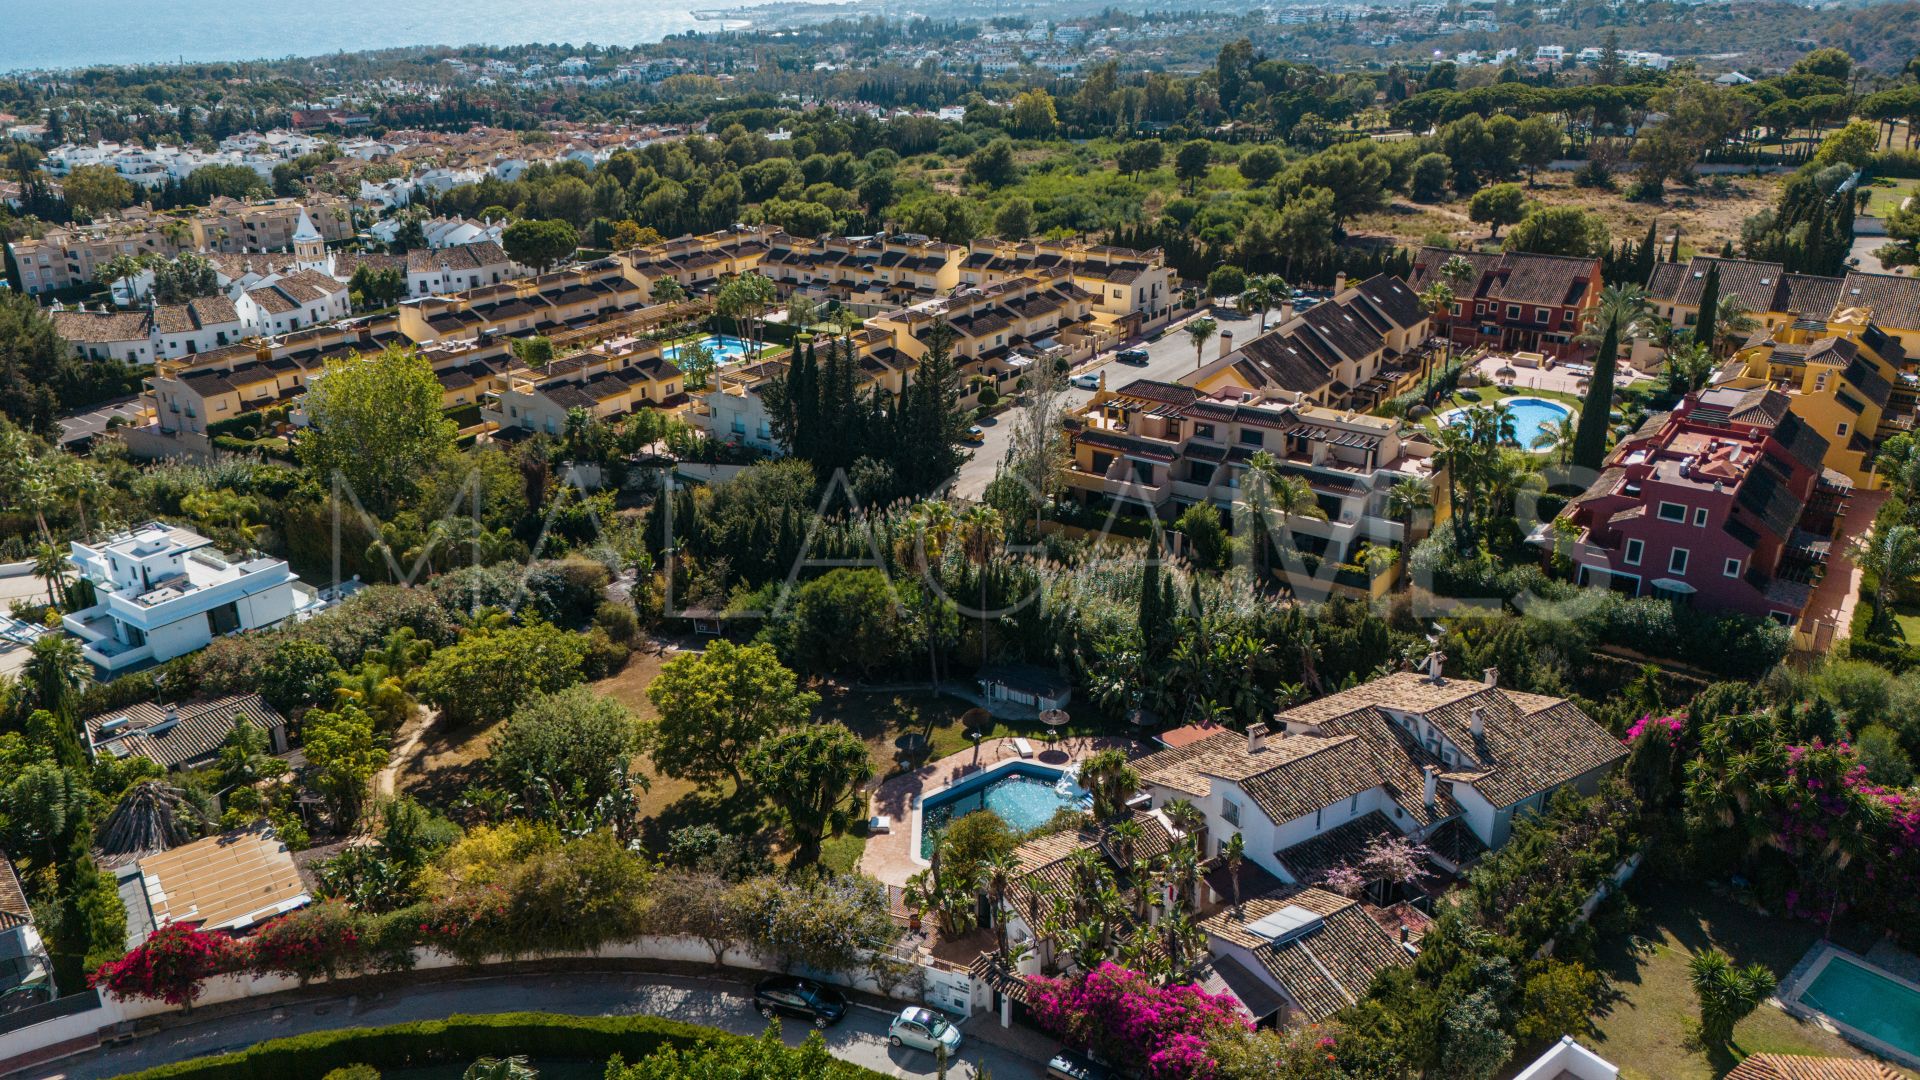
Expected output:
(889, 855)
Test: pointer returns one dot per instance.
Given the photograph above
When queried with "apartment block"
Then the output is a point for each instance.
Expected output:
(1167, 446)
(1724, 504)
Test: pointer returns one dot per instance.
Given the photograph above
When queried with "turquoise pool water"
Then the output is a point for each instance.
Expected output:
(1024, 796)
(1531, 416)
(726, 349)
(1868, 1001)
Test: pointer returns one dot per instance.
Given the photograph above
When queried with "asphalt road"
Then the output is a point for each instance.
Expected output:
(861, 1038)
(1169, 358)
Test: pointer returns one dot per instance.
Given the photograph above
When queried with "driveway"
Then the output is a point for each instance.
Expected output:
(1168, 358)
(861, 1038)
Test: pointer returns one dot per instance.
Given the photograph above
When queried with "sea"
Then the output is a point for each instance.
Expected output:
(37, 34)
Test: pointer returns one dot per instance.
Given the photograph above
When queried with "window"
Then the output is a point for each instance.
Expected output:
(1251, 437)
(1513, 311)
(1634, 549)
(1699, 517)
(1456, 310)
(1203, 431)
(1229, 811)
(1732, 569)
(1672, 512)
(1542, 315)
(1843, 429)
(1677, 561)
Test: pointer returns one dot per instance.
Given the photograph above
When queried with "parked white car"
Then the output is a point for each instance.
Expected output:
(924, 1029)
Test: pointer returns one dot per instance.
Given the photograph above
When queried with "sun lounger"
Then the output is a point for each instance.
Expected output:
(1023, 748)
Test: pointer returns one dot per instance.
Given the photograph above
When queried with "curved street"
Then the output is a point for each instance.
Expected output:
(861, 1038)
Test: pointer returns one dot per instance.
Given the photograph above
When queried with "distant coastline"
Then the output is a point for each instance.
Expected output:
(65, 35)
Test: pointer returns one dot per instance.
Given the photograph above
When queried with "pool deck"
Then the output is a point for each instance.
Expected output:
(889, 855)
(1787, 999)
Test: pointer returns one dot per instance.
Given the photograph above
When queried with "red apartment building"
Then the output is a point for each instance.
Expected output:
(1721, 504)
(1513, 301)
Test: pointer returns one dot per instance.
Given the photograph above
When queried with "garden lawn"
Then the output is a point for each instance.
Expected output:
(1648, 1026)
(1886, 192)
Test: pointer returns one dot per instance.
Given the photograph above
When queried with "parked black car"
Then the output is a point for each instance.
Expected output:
(1137, 357)
(814, 1002)
(1068, 1065)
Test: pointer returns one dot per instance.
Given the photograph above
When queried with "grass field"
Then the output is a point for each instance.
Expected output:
(1649, 1026)
(1887, 192)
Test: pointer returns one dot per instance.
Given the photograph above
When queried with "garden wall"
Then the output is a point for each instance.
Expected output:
(66, 1035)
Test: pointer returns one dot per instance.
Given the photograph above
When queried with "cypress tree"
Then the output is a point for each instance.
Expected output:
(1590, 435)
(1703, 331)
(1674, 255)
(1645, 258)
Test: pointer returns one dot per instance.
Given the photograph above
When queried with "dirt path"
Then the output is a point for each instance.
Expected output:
(410, 735)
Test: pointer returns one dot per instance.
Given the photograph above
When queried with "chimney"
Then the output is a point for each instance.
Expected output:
(1435, 661)
(1477, 721)
(1286, 311)
(1406, 935)
(1339, 283)
(1256, 738)
(1432, 793)
(173, 712)
(1226, 342)
(1490, 677)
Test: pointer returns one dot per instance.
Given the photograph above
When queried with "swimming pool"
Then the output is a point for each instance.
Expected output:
(726, 348)
(1875, 1005)
(1531, 416)
(1024, 795)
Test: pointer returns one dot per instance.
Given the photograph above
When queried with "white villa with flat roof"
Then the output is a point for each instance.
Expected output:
(164, 591)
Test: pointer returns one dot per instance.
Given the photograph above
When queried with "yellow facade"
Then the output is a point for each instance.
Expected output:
(1838, 382)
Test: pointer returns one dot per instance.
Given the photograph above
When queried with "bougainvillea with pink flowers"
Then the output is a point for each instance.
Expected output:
(1850, 840)
(172, 965)
(1121, 1015)
(322, 940)
(1653, 758)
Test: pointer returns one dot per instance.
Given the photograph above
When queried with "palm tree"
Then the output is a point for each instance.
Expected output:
(120, 268)
(152, 816)
(1559, 438)
(56, 668)
(995, 873)
(1408, 497)
(76, 479)
(981, 533)
(1732, 322)
(50, 565)
(1185, 816)
(1375, 559)
(1458, 272)
(666, 291)
(1200, 331)
(1726, 993)
(1262, 293)
(1272, 496)
(1891, 558)
(1689, 367)
(1110, 780)
(1623, 307)
(1233, 855)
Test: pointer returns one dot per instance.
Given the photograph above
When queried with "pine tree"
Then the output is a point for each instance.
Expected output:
(1590, 436)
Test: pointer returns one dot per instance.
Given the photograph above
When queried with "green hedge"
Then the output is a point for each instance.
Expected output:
(458, 1039)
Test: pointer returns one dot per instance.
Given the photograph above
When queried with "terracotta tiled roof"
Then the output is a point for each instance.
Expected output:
(1323, 969)
(1339, 846)
(1801, 1067)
